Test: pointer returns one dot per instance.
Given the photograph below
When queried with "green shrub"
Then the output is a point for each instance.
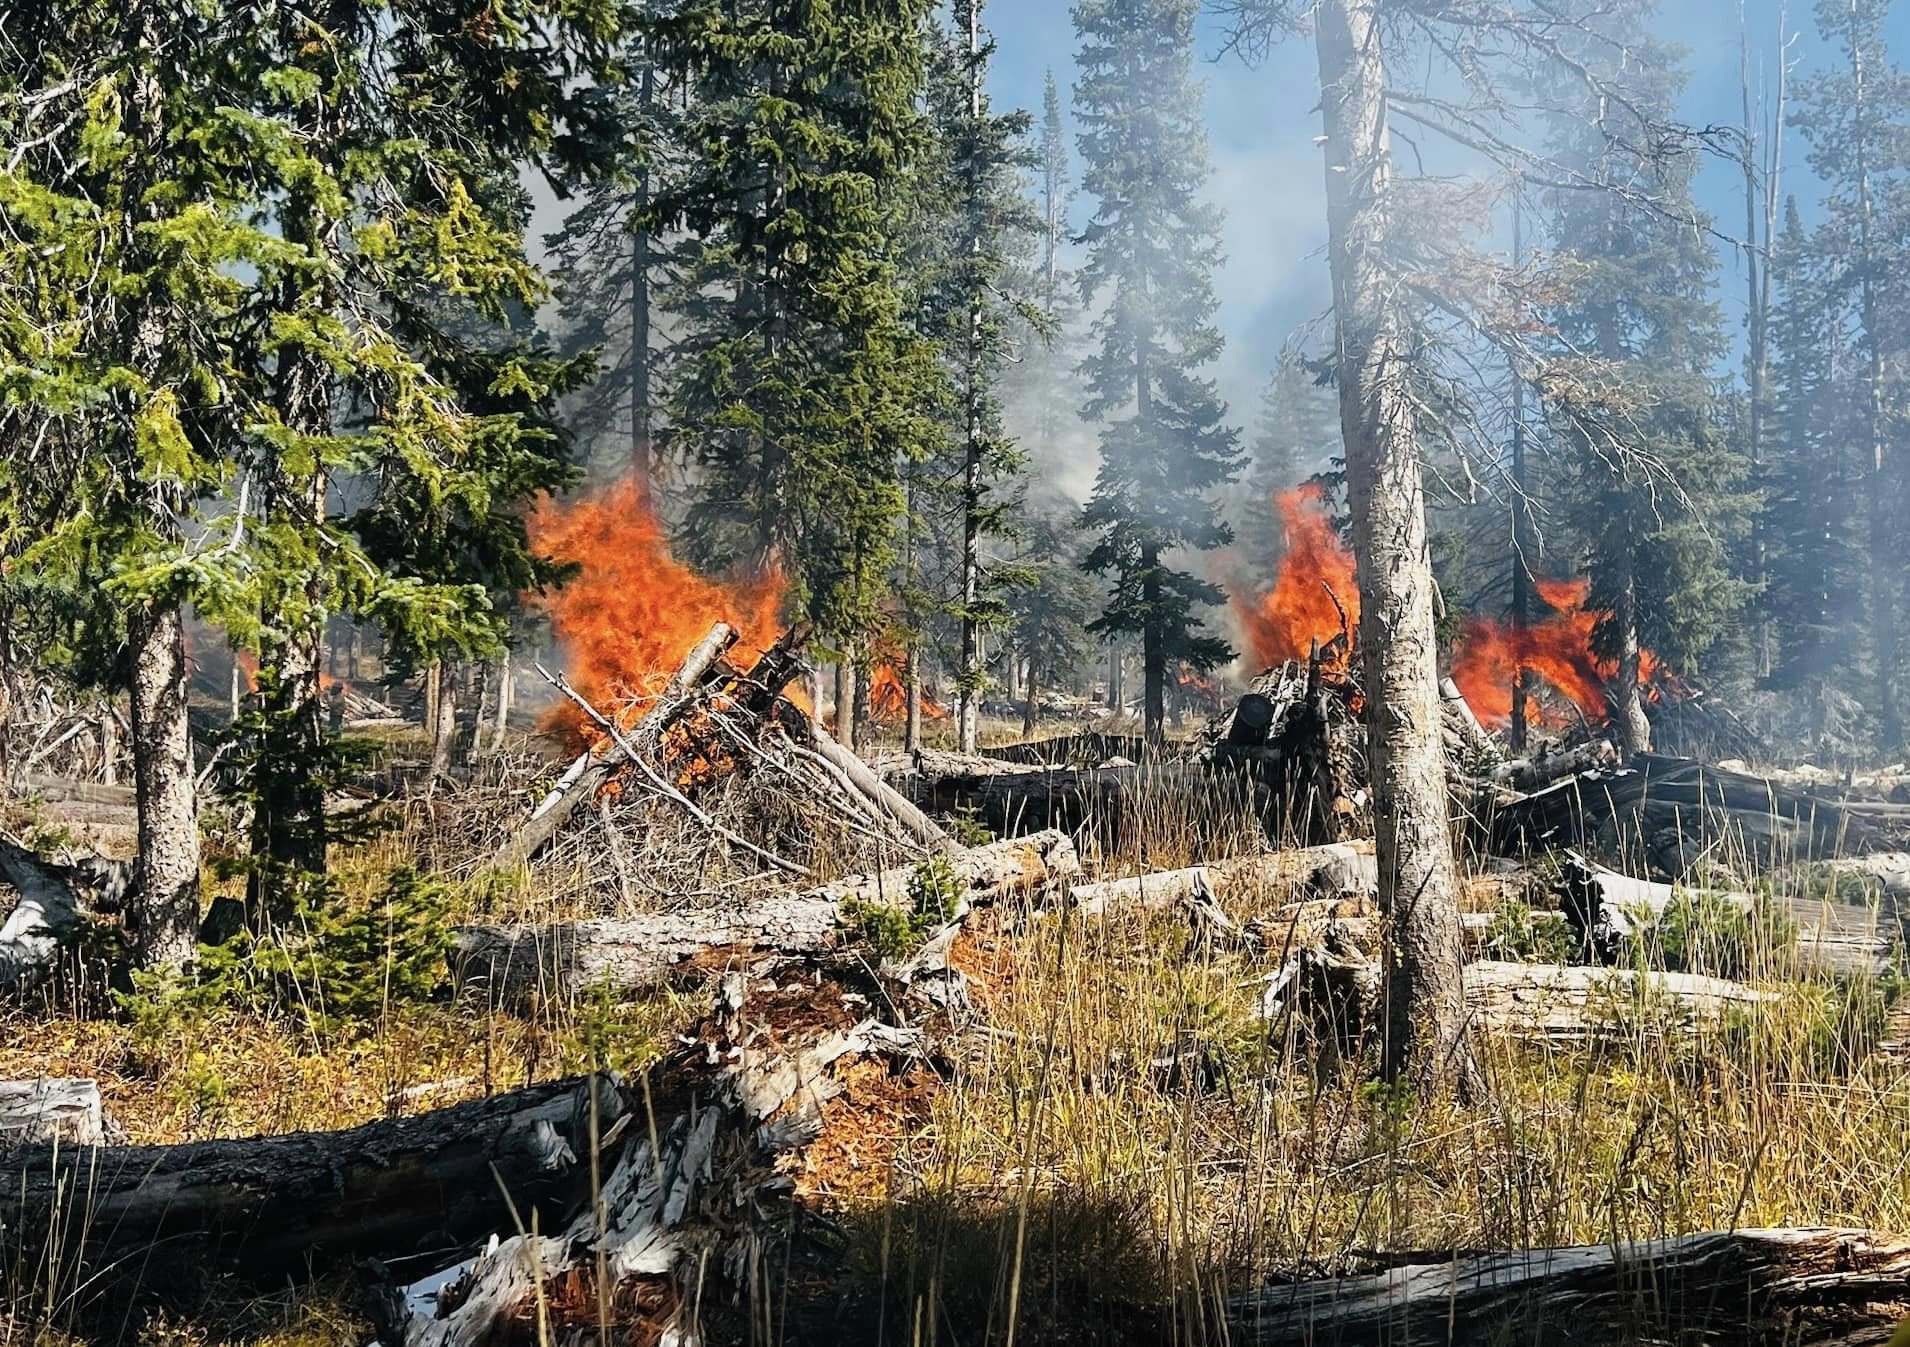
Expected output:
(1524, 936)
(332, 963)
(895, 932)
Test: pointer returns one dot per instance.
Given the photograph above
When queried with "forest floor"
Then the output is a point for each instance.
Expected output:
(1119, 1130)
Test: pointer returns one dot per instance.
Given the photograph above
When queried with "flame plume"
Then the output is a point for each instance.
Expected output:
(1283, 624)
(627, 619)
(1317, 567)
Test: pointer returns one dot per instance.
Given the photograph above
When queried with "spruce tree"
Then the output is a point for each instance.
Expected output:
(1855, 115)
(1650, 481)
(1814, 558)
(1152, 247)
(120, 268)
(797, 384)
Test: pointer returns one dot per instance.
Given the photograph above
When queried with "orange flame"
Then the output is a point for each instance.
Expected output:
(889, 698)
(632, 613)
(1557, 647)
(1284, 622)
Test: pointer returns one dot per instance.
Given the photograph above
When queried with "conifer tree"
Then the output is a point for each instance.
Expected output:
(1855, 115)
(1814, 558)
(797, 384)
(119, 266)
(979, 157)
(1152, 247)
(1649, 479)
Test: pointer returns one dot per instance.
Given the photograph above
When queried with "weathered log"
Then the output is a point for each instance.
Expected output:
(1607, 908)
(1252, 720)
(571, 959)
(1009, 798)
(51, 1109)
(1652, 792)
(269, 1205)
(1572, 1002)
(1457, 712)
(1332, 869)
(588, 773)
(1793, 1286)
(1551, 764)
(52, 900)
(884, 798)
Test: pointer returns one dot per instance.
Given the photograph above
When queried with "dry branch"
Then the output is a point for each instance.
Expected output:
(588, 773)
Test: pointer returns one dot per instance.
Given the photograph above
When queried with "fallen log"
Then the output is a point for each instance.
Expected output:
(572, 959)
(1608, 909)
(1577, 1003)
(51, 1109)
(588, 773)
(1690, 800)
(1331, 869)
(270, 1205)
(52, 900)
(1793, 1286)
(1549, 764)
(1010, 798)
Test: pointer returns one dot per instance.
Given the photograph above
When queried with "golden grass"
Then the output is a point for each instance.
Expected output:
(1055, 1166)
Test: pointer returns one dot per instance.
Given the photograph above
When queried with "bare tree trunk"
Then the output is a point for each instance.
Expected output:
(433, 674)
(1030, 708)
(846, 700)
(642, 452)
(506, 693)
(1425, 1040)
(1117, 682)
(912, 689)
(1153, 653)
(444, 725)
(1522, 539)
(1634, 726)
(1882, 560)
(164, 902)
(163, 911)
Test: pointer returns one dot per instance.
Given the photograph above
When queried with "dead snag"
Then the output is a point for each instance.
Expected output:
(1425, 1040)
(1796, 1287)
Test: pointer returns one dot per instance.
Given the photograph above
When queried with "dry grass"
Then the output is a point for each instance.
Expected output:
(1057, 1170)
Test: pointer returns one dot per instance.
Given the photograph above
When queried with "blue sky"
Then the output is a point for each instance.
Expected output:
(1267, 172)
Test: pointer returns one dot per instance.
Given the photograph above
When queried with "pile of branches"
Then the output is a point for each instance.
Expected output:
(718, 785)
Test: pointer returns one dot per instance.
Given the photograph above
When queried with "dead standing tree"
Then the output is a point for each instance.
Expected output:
(1395, 281)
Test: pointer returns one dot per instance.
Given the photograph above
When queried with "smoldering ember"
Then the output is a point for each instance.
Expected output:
(1112, 672)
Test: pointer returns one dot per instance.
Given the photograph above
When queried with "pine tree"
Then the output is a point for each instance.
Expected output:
(387, 128)
(119, 268)
(1152, 247)
(1650, 481)
(608, 272)
(1856, 117)
(1813, 560)
(796, 382)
